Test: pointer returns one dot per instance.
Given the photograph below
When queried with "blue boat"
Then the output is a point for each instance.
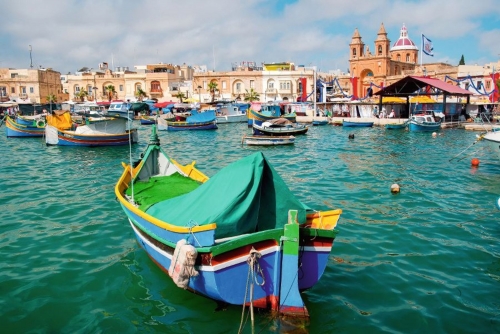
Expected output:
(352, 124)
(15, 129)
(396, 126)
(246, 223)
(197, 121)
(258, 113)
(423, 122)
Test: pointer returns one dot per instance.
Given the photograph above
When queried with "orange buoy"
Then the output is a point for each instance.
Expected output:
(475, 162)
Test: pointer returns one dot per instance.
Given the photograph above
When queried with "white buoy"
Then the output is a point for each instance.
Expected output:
(498, 203)
(434, 135)
(395, 188)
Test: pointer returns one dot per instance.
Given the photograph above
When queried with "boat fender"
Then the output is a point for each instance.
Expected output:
(182, 265)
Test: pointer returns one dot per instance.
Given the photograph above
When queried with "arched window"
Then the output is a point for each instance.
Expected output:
(380, 50)
(398, 57)
(354, 52)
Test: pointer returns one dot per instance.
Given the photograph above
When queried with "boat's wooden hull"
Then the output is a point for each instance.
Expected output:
(71, 138)
(186, 126)
(14, 129)
(279, 131)
(414, 126)
(255, 117)
(259, 140)
(357, 124)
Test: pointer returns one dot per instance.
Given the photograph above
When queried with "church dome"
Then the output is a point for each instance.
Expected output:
(404, 42)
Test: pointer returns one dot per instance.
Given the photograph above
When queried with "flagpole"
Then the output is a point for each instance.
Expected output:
(421, 48)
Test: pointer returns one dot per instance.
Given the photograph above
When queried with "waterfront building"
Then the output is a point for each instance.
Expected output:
(162, 82)
(33, 85)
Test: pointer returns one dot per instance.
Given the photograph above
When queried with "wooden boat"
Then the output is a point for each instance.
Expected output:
(259, 113)
(260, 140)
(197, 121)
(14, 129)
(337, 123)
(318, 122)
(396, 126)
(147, 120)
(246, 224)
(423, 122)
(357, 124)
(279, 127)
(230, 113)
(100, 131)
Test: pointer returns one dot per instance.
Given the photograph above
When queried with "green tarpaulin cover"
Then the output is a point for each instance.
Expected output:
(244, 197)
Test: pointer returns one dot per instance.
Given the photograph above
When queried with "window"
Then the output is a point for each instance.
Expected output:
(223, 85)
(407, 57)
(479, 85)
(398, 57)
(488, 84)
(32, 90)
(3, 91)
(252, 83)
(204, 85)
(121, 88)
(354, 52)
(23, 90)
(380, 50)
(89, 89)
(238, 87)
(12, 90)
(77, 89)
(284, 85)
(270, 84)
(467, 86)
(155, 86)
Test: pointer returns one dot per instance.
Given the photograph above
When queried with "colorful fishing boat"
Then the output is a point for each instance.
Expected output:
(230, 113)
(36, 128)
(197, 121)
(260, 140)
(352, 124)
(259, 113)
(147, 120)
(240, 237)
(100, 131)
(319, 122)
(423, 122)
(279, 127)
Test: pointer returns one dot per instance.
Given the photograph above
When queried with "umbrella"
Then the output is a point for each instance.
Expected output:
(421, 99)
(191, 100)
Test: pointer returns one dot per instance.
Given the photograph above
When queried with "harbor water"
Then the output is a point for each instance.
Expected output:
(425, 260)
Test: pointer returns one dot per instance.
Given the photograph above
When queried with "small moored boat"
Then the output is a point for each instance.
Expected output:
(259, 140)
(357, 124)
(246, 223)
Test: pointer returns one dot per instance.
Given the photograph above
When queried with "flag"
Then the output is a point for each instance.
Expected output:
(427, 46)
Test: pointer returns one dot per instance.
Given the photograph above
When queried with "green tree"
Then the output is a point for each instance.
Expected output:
(82, 94)
(212, 88)
(180, 95)
(110, 89)
(462, 61)
(251, 95)
(140, 94)
(51, 98)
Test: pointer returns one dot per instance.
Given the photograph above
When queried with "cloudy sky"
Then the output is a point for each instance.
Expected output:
(67, 35)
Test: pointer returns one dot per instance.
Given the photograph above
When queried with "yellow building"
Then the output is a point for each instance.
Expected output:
(30, 85)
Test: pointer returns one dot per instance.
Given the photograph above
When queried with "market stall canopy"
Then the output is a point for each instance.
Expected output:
(422, 99)
(410, 85)
(392, 99)
(190, 100)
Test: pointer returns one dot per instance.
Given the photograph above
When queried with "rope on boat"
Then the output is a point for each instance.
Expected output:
(192, 224)
(254, 268)
(479, 138)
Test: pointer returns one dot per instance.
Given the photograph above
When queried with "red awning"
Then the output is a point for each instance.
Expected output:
(411, 84)
(163, 104)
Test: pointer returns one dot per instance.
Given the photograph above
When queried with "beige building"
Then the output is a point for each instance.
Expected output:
(272, 82)
(30, 85)
(158, 81)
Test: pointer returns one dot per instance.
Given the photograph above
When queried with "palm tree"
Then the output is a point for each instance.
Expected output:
(82, 94)
(140, 94)
(110, 89)
(51, 98)
(180, 95)
(212, 88)
(251, 95)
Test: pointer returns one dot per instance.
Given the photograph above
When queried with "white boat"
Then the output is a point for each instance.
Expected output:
(492, 138)
(229, 113)
(255, 140)
(423, 122)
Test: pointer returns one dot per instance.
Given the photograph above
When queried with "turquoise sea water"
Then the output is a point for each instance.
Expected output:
(424, 260)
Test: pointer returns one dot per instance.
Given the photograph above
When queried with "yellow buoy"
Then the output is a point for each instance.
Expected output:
(395, 188)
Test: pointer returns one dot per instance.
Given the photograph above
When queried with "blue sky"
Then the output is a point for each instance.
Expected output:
(67, 35)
